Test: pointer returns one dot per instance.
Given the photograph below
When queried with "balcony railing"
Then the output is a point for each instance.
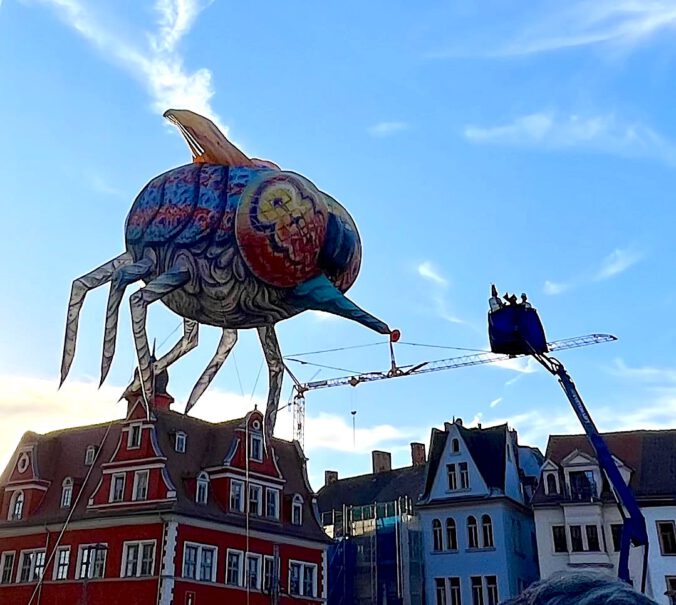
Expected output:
(582, 493)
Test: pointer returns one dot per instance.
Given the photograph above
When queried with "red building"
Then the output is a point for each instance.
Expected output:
(166, 510)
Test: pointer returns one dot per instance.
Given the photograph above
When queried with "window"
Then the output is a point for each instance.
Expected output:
(616, 534)
(117, 488)
(464, 476)
(582, 485)
(437, 537)
(6, 567)
(256, 445)
(66, 492)
(455, 446)
(253, 571)
(297, 510)
(492, 590)
(180, 441)
(92, 561)
(61, 563)
(199, 562)
(440, 590)
(451, 536)
(302, 579)
(472, 533)
(487, 531)
(454, 584)
(576, 538)
(551, 484)
(559, 538)
(268, 573)
(255, 499)
(134, 437)
(234, 569)
(16, 507)
(452, 480)
(592, 538)
(671, 589)
(272, 503)
(32, 565)
(140, 491)
(202, 488)
(477, 591)
(667, 534)
(236, 499)
(90, 455)
(138, 559)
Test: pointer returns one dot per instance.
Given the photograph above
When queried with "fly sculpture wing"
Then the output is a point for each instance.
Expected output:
(225, 241)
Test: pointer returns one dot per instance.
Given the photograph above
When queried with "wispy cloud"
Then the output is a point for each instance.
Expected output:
(495, 402)
(643, 373)
(427, 270)
(386, 129)
(604, 133)
(617, 262)
(522, 365)
(158, 64)
(431, 273)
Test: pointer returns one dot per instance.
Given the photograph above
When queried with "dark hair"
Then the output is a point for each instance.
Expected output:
(580, 589)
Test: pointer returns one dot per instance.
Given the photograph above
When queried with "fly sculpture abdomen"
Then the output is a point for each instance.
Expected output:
(230, 242)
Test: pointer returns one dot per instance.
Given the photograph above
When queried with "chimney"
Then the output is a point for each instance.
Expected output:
(330, 477)
(418, 454)
(382, 461)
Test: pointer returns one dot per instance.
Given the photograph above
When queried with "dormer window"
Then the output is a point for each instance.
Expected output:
(297, 510)
(90, 455)
(66, 492)
(202, 492)
(180, 442)
(16, 506)
(134, 438)
(256, 447)
(551, 484)
(455, 446)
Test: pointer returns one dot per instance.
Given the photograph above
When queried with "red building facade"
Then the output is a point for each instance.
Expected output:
(168, 510)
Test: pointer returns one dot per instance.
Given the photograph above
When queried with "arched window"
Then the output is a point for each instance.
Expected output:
(90, 455)
(202, 488)
(455, 446)
(472, 532)
(297, 510)
(437, 536)
(551, 484)
(487, 531)
(451, 536)
(16, 507)
(66, 492)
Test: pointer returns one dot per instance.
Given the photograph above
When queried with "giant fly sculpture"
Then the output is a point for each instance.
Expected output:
(226, 241)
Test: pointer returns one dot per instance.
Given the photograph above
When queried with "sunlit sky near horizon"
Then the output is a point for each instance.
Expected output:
(528, 144)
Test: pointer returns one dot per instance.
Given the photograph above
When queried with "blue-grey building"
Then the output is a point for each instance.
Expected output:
(479, 544)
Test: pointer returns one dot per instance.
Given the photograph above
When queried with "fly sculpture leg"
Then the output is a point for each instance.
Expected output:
(81, 286)
(138, 302)
(225, 345)
(273, 357)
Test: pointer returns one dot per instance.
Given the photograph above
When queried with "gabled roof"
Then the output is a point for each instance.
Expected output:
(651, 455)
(383, 487)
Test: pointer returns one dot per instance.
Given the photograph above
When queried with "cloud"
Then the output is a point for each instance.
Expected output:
(554, 288)
(427, 270)
(322, 316)
(386, 129)
(643, 373)
(495, 402)
(554, 131)
(522, 365)
(157, 64)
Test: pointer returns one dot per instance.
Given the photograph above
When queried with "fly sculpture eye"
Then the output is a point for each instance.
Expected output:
(227, 241)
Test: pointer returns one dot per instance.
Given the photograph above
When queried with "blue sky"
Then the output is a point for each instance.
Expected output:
(530, 144)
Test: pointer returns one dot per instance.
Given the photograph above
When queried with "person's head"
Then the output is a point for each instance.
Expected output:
(580, 589)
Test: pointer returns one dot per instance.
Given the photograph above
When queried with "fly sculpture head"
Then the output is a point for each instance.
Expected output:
(231, 242)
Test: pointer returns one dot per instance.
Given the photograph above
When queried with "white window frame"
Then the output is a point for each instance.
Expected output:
(3, 563)
(242, 495)
(491, 535)
(240, 567)
(139, 559)
(487, 590)
(111, 495)
(27, 553)
(557, 487)
(301, 583)
(259, 568)
(258, 438)
(254, 487)
(297, 506)
(463, 473)
(135, 491)
(275, 493)
(91, 565)
(198, 561)
(180, 441)
(130, 434)
(57, 564)
(67, 493)
(202, 484)
(452, 594)
(271, 560)
(90, 455)
(440, 590)
(12, 514)
(452, 477)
